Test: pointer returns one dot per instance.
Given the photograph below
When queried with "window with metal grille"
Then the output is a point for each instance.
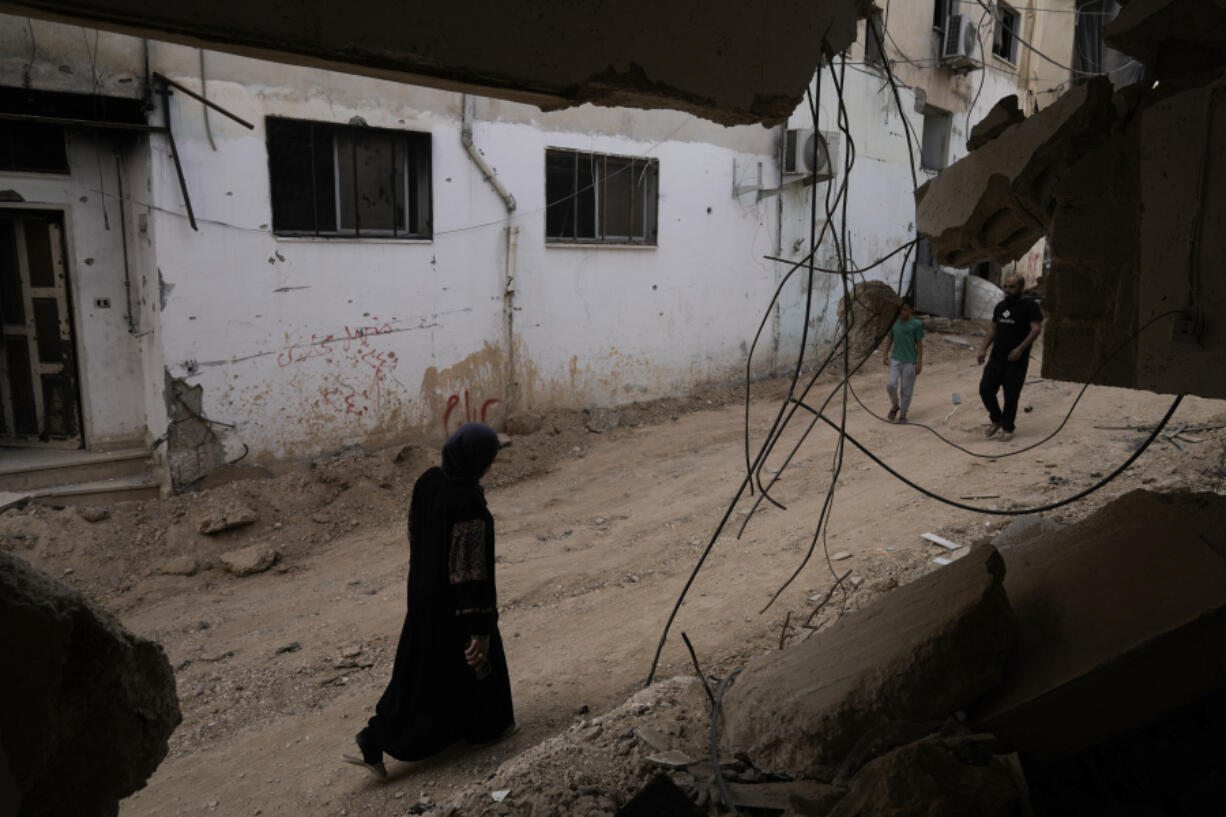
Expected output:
(1004, 41)
(598, 199)
(348, 181)
(36, 147)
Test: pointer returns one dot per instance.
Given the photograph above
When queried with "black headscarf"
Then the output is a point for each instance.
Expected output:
(469, 451)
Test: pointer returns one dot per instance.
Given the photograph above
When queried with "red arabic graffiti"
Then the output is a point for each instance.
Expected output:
(353, 350)
(470, 414)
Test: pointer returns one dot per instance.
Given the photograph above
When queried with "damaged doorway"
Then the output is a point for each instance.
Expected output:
(39, 397)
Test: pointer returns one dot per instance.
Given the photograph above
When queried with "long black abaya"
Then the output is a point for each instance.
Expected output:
(434, 697)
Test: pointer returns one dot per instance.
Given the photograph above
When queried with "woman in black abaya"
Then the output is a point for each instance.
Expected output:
(450, 677)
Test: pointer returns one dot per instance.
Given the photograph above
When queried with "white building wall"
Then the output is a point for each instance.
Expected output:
(246, 313)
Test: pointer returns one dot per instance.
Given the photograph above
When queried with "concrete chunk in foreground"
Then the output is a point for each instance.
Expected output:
(87, 706)
(920, 653)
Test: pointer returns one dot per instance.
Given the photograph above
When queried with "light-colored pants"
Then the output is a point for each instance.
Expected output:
(902, 379)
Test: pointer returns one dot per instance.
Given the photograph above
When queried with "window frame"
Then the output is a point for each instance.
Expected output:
(941, 12)
(875, 56)
(413, 194)
(1002, 48)
(16, 131)
(933, 115)
(599, 200)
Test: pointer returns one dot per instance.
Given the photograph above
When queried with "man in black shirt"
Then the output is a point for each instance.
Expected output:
(1016, 322)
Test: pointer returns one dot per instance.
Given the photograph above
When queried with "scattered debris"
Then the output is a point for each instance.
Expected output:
(249, 560)
(500, 795)
(524, 423)
(92, 513)
(227, 518)
(840, 556)
(181, 566)
(672, 759)
(601, 420)
(939, 540)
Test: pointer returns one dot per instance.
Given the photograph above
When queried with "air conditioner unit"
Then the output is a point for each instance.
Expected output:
(960, 43)
(798, 153)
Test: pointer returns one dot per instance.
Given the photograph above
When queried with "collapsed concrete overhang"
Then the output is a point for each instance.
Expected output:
(997, 202)
(1171, 37)
(732, 62)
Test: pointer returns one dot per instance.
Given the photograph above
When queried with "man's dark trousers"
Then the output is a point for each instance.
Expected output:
(1012, 376)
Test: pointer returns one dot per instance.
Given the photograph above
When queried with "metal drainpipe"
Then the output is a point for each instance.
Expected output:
(512, 233)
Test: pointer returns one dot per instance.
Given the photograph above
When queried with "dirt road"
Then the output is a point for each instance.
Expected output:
(277, 671)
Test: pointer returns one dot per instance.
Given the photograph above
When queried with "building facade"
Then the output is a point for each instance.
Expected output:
(320, 260)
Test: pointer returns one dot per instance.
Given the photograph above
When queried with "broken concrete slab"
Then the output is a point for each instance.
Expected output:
(223, 519)
(1138, 232)
(1004, 115)
(937, 775)
(995, 203)
(548, 54)
(875, 304)
(248, 560)
(920, 653)
(96, 703)
(1171, 38)
(980, 298)
(1121, 616)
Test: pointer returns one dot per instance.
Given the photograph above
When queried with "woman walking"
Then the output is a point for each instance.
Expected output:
(449, 680)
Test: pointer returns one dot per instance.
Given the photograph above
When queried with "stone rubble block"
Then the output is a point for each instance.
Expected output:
(249, 560)
(88, 706)
(994, 204)
(921, 653)
(224, 519)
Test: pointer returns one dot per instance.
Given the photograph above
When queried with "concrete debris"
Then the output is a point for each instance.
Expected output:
(672, 759)
(939, 540)
(980, 297)
(524, 422)
(224, 519)
(500, 795)
(91, 513)
(1004, 115)
(654, 739)
(503, 441)
(1024, 530)
(875, 305)
(937, 775)
(920, 653)
(181, 566)
(840, 556)
(1116, 617)
(601, 420)
(248, 560)
(1171, 39)
(1136, 234)
(97, 704)
(994, 204)
(776, 796)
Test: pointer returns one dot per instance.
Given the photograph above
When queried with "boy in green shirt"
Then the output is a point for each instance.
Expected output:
(906, 360)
